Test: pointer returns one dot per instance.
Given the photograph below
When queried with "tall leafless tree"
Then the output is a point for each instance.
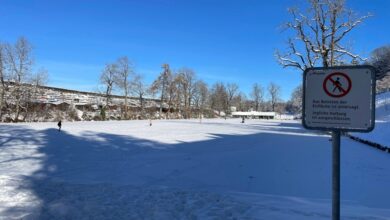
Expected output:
(274, 94)
(3, 79)
(240, 101)
(296, 99)
(187, 80)
(161, 84)
(20, 61)
(232, 90)
(257, 95)
(40, 78)
(33, 91)
(380, 59)
(319, 35)
(172, 93)
(179, 97)
(107, 78)
(218, 97)
(200, 95)
(139, 89)
(125, 70)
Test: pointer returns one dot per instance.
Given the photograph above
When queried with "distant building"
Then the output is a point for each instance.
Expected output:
(254, 114)
(57, 96)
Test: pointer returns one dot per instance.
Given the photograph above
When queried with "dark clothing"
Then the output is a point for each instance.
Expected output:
(59, 125)
(337, 85)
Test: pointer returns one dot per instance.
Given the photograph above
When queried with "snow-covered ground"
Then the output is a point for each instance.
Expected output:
(184, 169)
(381, 132)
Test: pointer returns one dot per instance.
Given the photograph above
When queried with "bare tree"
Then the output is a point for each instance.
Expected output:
(161, 83)
(319, 35)
(218, 97)
(257, 95)
(3, 79)
(240, 101)
(172, 92)
(40, 78)
(186, 79)
(125, 70)
(274, 94)
(20, 61)
(296, 99)
(232, 90)
(107, 78)
(139, 89)
(380, 59)
(200, 95)
(33, 90)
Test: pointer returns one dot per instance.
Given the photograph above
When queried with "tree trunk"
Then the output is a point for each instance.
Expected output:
(126, 114)
(141, 101)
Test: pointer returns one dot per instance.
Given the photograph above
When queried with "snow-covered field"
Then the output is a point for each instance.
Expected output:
(184, 169)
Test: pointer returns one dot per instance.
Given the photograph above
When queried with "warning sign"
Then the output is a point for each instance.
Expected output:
(339, 98)
(337, 84)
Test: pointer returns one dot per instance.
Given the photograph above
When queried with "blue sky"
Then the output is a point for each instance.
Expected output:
(229, 41)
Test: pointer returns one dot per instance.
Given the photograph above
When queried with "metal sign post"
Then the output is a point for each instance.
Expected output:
(336, 175)
(339, 99)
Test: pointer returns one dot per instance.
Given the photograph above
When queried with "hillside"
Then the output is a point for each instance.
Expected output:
(380, 134)
(383, 84)
(383, 106)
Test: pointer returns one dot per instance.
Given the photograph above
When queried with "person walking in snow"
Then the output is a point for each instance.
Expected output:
(59, 125)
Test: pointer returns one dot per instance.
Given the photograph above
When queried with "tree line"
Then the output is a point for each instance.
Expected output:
(183, 94)
(19, 82)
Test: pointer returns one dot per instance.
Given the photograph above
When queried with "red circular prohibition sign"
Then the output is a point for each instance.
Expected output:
(337, 85)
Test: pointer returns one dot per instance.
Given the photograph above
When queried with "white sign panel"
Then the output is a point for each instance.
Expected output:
(339, 98)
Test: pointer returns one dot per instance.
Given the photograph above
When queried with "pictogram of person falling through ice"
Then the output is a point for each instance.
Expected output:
(337, 85)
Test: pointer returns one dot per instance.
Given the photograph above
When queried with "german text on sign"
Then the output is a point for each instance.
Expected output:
(339, 98)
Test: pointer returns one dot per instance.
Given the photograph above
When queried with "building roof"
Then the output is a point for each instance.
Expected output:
(254, 113)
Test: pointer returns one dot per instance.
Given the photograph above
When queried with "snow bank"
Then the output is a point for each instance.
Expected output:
(285, 117)
(383, 107)
(379, 135)
(381, 132)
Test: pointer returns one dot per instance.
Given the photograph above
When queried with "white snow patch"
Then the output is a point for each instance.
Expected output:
(381, 132)
(184, 169)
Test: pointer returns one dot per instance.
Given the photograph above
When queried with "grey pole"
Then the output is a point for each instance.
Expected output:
(336, 175)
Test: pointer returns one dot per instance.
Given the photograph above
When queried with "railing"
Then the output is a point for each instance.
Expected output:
(369, 143)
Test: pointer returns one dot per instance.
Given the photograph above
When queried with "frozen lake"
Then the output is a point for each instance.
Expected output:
(184, 169)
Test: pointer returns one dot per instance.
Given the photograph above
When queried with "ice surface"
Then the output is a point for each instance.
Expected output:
(184, 169)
